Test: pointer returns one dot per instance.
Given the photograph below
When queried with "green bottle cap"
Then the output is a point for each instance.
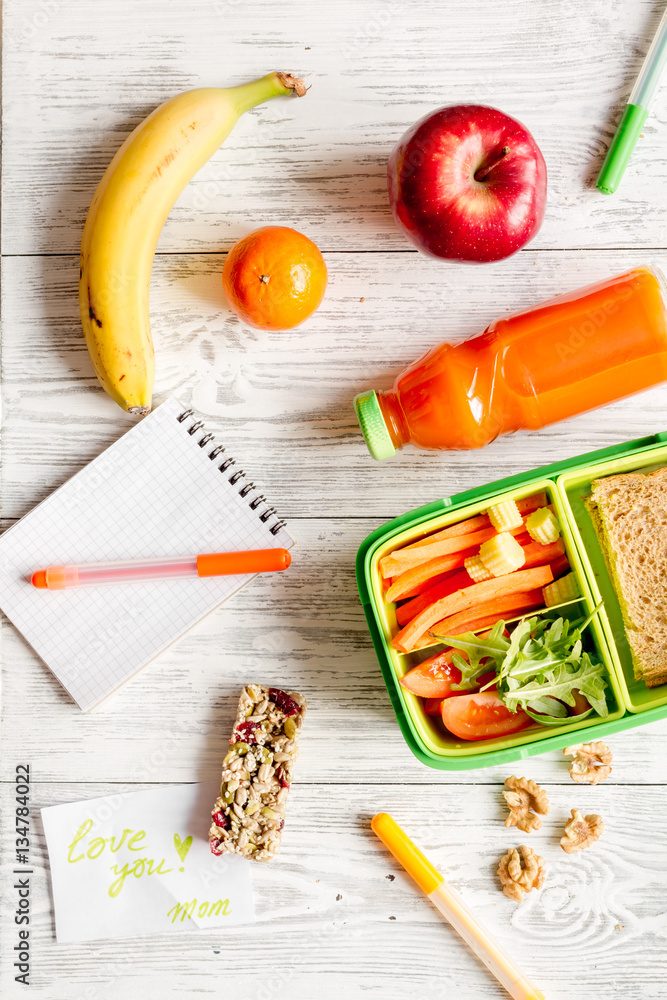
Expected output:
(373, 426)
(620, 151)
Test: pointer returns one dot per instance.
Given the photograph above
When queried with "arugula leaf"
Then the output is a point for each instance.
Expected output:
(547, 706)
(551, 720)
(543, 660)
(520, 639)
(483, 654)
(558, 682)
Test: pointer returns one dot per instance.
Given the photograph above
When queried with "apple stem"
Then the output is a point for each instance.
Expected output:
(484, 171)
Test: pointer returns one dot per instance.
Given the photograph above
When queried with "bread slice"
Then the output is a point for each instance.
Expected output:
(629, 513)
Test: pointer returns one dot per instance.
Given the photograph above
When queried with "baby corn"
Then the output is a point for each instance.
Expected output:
(505, 516)
(542, 526)
(502, 554)
(476, 569)
(560, 591)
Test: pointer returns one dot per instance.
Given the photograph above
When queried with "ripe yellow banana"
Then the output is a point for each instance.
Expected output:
(127, 214)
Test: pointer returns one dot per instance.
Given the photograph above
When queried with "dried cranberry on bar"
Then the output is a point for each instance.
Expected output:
(249, 813)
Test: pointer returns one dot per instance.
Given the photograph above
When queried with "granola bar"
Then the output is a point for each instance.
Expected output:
(249, 813)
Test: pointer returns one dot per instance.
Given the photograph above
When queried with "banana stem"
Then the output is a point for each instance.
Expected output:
(249, 95)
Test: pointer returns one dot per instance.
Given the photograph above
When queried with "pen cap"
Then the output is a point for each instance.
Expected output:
(56, 578)
(406, 853)
(620, 151)
(254, 561)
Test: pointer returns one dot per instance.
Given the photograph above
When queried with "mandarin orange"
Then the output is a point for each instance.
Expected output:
(274, 278)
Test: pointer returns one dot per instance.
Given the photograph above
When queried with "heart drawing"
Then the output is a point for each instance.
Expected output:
(182, 846)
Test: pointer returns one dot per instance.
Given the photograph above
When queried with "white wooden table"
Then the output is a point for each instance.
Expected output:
(336, 918)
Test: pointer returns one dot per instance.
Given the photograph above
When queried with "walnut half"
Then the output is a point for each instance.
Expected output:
(525, 798)
(581, 832)
(520, 873)
(591, 763)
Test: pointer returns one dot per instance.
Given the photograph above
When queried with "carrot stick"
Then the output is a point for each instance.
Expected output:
(454, 582)
(424, 572)
(419, 588)
(467, 597)
(526, 506)
(405, 559)
(560, 566)
(465, 621)
(474, 625)
(421, 576)
(537, 555)
(451, 531)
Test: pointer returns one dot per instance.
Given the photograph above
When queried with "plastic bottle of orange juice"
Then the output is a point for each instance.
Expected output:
(568, 355)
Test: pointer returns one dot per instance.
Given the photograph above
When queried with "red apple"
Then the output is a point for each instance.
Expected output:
(468, 183)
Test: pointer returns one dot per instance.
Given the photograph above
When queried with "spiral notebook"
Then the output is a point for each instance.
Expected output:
(165, 488)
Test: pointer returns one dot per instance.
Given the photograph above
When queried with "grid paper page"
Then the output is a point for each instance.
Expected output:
(154, 493)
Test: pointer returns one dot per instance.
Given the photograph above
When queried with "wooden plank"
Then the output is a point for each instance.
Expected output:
(75, 90)
(304, 630)
(283, 402)
(337, 917)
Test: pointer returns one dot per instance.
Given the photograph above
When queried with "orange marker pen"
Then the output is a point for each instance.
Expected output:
(210, 564)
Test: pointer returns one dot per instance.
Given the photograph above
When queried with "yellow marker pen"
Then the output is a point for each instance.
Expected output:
(453, 908)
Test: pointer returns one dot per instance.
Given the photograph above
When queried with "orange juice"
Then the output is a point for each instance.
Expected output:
(525, 371)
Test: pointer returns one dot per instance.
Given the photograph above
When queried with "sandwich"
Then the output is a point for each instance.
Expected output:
(629, 513)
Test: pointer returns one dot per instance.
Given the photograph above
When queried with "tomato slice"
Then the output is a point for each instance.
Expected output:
(484, 680)
(481, 716)
(433, 677)
(581, 703)
(432, 706)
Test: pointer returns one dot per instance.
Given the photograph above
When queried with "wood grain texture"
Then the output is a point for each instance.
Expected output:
(76, 79)
(290, 630)
(86, 79)
(337, 917)
(283, 402)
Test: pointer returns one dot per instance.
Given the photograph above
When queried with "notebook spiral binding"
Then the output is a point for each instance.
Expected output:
(256, 501)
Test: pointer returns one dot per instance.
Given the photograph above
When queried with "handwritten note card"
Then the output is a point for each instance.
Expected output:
(139, 863)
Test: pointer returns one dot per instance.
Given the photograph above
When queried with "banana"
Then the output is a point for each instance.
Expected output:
(127, 214)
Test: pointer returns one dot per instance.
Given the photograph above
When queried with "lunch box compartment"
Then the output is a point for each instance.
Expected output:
(573, 487)
(566, 484)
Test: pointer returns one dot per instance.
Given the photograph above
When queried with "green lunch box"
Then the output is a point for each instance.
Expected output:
(566, 484)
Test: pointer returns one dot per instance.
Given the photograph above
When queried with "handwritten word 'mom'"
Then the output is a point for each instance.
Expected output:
(205, 909)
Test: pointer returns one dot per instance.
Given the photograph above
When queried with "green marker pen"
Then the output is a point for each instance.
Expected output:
(635, 114)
